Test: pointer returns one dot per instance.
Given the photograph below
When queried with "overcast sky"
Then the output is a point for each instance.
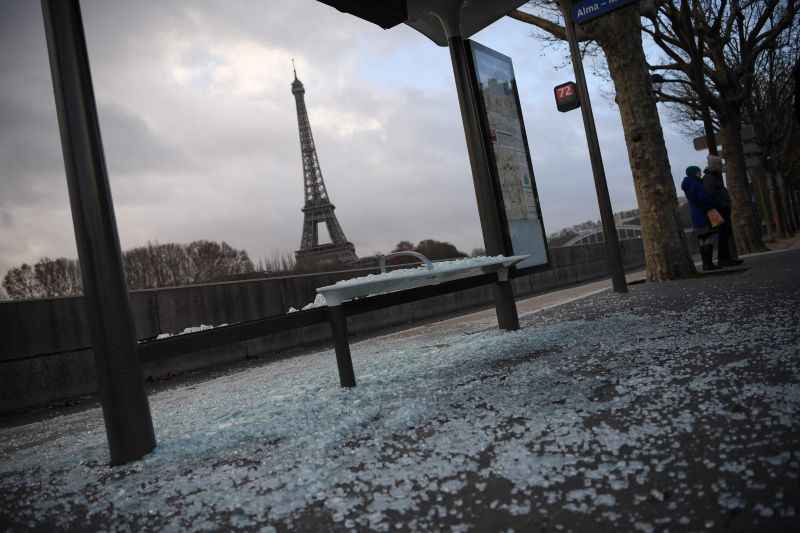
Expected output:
(200, 131)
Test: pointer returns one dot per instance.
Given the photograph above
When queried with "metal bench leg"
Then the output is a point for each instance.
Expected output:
(505, 305)
(344, 361)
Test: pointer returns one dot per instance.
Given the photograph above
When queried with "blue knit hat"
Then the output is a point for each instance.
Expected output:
(693, 172)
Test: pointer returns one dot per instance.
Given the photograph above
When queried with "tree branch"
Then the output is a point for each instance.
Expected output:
(556, 30)
(670, 66)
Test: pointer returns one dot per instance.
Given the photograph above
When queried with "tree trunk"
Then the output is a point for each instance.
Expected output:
(666, 253)
(761, 206)
(795, 207)
(788, 203)
(785, 206)
(777, 208)
(746, 226)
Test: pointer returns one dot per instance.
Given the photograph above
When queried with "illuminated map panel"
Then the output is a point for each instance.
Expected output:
(513, 169)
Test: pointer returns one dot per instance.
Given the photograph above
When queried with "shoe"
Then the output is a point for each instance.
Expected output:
(707, 255)
(729, 262)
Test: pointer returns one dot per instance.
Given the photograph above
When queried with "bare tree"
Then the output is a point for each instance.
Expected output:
(619, 37)
(48, 278)
(139, 268)
(770, 110)
(433, 249)
(403, 246)
(430, 248)
(169, 265)
(58, 277)
(21, 283)
(151, 266)
(157, 265)
(174, 263)
(712, 46)
(277, 262)
(211, 260)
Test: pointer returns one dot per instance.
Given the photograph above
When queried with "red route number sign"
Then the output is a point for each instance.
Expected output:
(567, 96)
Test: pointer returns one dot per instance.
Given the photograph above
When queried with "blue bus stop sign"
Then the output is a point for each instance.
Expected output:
(586, 10)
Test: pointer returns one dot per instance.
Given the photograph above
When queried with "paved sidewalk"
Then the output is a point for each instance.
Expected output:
(675, 407)
(785, 244)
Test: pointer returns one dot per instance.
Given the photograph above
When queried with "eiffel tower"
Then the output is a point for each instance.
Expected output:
(318, 207)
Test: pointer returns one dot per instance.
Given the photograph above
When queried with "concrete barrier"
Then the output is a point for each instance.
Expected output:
(45, 349)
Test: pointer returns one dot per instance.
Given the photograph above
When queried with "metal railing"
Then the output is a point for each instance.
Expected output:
(382, 259)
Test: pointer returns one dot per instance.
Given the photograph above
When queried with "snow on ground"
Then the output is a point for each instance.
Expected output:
(591, 416)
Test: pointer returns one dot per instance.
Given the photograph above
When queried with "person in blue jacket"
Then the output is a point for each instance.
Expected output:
(700, 203)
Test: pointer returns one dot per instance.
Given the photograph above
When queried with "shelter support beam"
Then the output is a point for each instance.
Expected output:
(126, 411)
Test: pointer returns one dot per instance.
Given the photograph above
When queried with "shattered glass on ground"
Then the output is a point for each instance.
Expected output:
(675, 407)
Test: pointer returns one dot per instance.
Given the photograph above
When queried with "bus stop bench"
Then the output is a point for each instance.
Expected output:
(348, 298)
(371, 292)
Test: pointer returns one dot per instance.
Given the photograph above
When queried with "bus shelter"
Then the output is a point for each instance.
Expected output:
(126, 410)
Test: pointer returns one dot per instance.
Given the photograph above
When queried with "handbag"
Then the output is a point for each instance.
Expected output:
(715, 218)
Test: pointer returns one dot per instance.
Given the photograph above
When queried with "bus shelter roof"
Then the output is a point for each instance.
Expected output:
(438, 20)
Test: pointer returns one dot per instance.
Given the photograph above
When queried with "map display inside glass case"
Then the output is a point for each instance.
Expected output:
(514, 171)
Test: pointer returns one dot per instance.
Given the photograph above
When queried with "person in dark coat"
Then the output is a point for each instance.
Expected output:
(700, 203)
(715, 187)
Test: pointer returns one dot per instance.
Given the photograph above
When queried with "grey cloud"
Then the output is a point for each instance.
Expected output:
(307, 25)
(192, 158)
(29, 152)
(6, 219)
(30, 155)
(132, 146)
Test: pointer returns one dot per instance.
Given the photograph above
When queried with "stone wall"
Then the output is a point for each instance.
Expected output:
(46, 356)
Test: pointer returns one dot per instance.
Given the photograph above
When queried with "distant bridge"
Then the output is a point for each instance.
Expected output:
(625, 232)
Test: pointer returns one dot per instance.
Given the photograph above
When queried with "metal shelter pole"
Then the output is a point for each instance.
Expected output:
(488, 198)
(598, 171)
(129, 427)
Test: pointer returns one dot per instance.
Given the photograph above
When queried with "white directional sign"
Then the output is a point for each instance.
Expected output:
(701, 143)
